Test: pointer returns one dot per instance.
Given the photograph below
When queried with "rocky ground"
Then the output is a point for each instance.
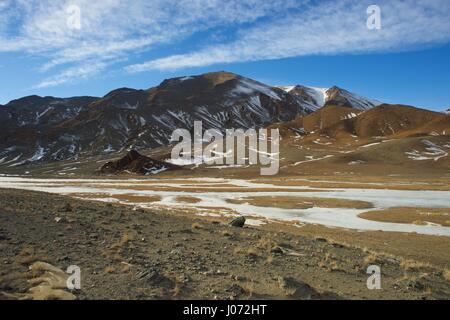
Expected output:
(148, 254)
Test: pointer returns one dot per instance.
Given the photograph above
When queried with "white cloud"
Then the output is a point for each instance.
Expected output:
(72, 74)
(112, 29)
(333, 27)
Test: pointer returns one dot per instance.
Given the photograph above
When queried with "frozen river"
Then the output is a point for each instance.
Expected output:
(332, 217)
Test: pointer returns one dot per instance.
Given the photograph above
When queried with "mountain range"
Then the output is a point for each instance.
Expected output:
(39, 129)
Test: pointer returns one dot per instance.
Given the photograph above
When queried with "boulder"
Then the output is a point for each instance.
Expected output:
(238, 222)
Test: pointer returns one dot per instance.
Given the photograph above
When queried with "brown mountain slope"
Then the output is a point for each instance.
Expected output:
(393, 121)
(323, 118)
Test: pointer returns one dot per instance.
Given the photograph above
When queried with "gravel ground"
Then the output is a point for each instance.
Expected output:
(146, 254)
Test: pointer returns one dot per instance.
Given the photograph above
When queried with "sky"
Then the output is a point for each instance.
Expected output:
(396, 51)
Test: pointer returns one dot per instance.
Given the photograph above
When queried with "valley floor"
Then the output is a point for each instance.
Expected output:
(157, 252)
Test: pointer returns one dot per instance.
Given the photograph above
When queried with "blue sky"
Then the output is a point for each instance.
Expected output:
(140, 43)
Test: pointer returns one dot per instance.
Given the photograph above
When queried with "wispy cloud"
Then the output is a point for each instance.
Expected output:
(332, 27)
(78, 72)
(112, 30)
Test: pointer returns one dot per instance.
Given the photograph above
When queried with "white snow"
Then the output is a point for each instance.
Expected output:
(319, 95)
(108, 149)
(433, 152)
(349, 116)
(40, 115)
(357, 162)
(249, 87)
(370, 145)
(286, 88)
(40, 153)
(311, 159)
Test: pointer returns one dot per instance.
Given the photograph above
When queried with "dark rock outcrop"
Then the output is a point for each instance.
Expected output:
(134, 162)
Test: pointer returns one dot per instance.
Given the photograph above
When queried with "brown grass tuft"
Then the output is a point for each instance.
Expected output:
(197, 226)
(110, 269)
(408, 264)
(446, 274)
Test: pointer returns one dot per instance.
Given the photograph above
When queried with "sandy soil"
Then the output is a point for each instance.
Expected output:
(150, 254)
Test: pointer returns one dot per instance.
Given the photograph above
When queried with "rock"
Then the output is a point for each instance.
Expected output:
(297, 289)
(277, 250)
(67, 208)
(414, 285)
(238, 222)
(235, 290)
(134, 162)
(154, 278)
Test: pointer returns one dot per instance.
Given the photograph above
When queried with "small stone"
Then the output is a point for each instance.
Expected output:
(277, 250)
(296, 289)
(67, 208)
(238, 222)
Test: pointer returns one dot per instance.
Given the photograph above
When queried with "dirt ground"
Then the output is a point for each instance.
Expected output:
(153, 254)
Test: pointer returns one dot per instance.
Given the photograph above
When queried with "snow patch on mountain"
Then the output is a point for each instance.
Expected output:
(39, 154)
(315, 97)
(249, 87)
(432, 152)
(320, 95)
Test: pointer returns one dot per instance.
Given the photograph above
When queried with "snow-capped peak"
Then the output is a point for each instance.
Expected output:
(315, 98)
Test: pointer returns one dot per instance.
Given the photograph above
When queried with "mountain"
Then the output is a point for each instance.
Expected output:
(40, 129)
(391, 121)
(35, 111)
(139, 119)
(315, 98)
(447, 111)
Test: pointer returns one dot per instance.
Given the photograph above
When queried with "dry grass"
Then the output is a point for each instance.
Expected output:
(126, 267)
(446, 274)
(291, 202)
(249, 288)
(187, 199)
(197, 226)
(266, 244)
(176, 290)
(250, 252)
(408, 265)
(110, 270)
(28, 256)
(370, 259)
(227, 233)
(418, 216)
(114, 252)
(330, 263)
